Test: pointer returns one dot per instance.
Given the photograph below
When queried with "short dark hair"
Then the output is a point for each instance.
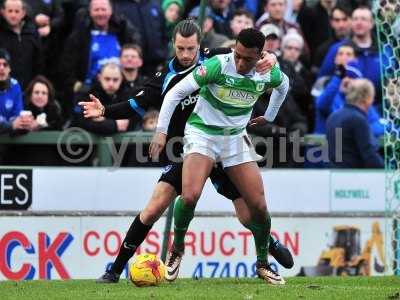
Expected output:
(344, 9)
(243, 12)
(251, 38)
(135, 47)
(187, 28)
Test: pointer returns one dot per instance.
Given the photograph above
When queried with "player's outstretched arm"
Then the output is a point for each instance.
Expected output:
(117, 111)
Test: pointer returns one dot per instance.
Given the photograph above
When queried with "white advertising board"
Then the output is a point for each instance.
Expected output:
(129, 189)
(357, 191)
(82, 247)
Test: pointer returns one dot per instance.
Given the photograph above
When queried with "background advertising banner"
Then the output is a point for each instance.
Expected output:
(129, 189)
(82, 247)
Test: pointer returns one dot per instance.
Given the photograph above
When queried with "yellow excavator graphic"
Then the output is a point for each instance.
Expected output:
(345, 257)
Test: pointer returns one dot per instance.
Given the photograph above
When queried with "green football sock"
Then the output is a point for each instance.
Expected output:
(261, 234)
(182, 217)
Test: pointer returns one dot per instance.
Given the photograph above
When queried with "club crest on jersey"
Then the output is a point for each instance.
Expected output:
(260, 86)
(202, 71)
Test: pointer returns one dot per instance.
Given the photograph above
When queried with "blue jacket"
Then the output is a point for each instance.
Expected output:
(357, 147)
(367, 60)
(333, 99)
(10, 105)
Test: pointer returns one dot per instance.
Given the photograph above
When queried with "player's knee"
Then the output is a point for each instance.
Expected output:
(150, 215)
(190, 197)
(258, 203)
(155, 208)
(261, 207)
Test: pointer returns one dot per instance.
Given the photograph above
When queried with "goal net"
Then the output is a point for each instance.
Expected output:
(387, 18)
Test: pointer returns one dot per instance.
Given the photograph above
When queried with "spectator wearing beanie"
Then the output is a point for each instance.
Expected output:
(173, 10)
(302, 79)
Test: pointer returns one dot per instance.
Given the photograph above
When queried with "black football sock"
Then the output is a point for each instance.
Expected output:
(271, 240)
(134, 238)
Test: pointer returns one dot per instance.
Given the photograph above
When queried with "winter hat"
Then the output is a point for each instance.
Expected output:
(292, 36)
(5, 55)
(270, 30)
(166, 3)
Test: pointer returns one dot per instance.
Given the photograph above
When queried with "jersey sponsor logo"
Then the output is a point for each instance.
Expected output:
(241, 95)
(189, 101)
(202, 71)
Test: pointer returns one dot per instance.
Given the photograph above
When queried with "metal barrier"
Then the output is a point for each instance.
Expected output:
(76, 136)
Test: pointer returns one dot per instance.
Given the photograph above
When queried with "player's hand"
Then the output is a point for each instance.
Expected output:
(157, 144)
(267, 61)
(93, 108)
(258, 121)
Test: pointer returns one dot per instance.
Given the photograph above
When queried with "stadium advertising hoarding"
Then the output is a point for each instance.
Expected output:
(82, 247)
(357, 191)
(15, 189)
(105, 189)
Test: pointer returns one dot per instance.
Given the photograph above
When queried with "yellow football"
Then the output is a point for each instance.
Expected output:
(146, 270)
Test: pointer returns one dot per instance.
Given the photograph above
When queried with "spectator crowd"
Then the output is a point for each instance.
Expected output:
(53, 53)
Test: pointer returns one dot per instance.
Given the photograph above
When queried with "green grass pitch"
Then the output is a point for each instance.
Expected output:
(353, 288)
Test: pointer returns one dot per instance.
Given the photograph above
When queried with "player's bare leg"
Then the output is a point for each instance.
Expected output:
(275, 248)
(163, 195)
(196, 169)
(247, 179)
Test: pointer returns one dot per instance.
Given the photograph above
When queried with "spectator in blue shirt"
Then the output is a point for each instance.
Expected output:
(351, 142)
(96, 40)
(11, 103)
(362, 24)
(332, 97)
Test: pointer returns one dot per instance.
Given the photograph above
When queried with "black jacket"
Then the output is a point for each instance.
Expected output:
(75, 59)
(53, 114)
(148, 18)
(25, 50)
(318, 27)
(53, 9)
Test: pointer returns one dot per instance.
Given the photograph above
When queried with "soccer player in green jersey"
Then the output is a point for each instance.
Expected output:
(215, 132)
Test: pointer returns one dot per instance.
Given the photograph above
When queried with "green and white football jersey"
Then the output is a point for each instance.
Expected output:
(226, 98)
